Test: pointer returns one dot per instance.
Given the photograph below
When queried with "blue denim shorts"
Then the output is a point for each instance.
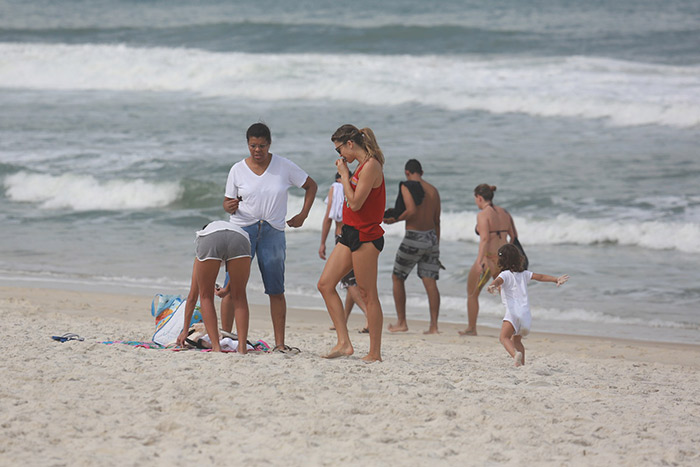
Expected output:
(270, 247)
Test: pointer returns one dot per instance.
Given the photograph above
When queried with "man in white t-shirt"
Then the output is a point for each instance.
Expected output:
(256, 198)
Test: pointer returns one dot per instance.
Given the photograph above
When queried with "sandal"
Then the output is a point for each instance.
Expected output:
(69, 336)
(286, 349)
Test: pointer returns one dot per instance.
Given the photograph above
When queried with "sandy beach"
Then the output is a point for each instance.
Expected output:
(440, 399)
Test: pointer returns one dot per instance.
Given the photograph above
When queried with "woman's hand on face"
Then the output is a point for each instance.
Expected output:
(342, 165)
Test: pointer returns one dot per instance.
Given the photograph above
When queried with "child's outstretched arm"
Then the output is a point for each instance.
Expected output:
(494, 287)
(547, 278)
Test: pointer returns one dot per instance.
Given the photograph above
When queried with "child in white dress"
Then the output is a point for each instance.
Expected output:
(512, 283)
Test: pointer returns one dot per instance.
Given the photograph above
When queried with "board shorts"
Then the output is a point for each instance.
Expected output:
(421, 248)
(348, 279)
(350, 237)
(223, 245)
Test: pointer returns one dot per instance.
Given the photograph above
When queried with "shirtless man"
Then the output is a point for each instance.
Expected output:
(419, 246)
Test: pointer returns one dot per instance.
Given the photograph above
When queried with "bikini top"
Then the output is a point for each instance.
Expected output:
(497, 232)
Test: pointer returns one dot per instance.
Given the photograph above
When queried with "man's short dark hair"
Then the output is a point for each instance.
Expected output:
(413, 166)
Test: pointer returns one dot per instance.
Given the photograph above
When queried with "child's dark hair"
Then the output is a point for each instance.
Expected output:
(510, 259)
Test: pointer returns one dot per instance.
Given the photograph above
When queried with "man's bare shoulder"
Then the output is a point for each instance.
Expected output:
(428, 187)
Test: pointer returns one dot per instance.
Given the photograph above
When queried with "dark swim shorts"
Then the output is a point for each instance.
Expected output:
(348, 279)
(350, 237)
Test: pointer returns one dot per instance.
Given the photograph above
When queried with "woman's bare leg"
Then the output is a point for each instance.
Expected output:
(339, 263)
(206, 272)
(364, 262)
(239, 271)
(472, 300)
(354, 292)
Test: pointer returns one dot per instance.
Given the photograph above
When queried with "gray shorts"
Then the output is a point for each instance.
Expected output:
(222, 245)
(420, 248)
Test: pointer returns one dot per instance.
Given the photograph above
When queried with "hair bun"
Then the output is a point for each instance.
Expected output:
(493, 187)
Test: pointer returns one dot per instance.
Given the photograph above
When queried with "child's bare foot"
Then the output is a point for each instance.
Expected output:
(468, 332)
(398, 327)
(339, 351)
(518, 357)
(432, 331)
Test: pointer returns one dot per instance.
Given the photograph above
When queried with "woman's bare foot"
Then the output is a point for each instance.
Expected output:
(398, 327)
(371, 358)
(468, 332)
(342, 351)
(432, 331)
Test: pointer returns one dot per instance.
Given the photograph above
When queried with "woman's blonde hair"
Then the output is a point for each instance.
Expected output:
(364, 138)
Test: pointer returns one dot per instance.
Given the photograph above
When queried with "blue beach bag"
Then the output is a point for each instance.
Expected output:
(169, 314)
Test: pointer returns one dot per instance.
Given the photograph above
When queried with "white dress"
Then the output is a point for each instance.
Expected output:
(514, 297)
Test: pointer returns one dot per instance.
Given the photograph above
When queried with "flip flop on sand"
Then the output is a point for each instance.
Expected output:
(286, 349)
(364, 331)
(69, 336)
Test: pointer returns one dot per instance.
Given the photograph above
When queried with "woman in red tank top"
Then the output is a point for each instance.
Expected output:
(362, 237)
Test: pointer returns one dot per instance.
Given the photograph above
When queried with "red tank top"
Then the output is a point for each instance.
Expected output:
(367, 219)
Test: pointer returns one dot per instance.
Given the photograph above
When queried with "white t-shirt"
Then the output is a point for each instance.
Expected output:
(336, 211)
(264, 196)
(216, 226)
(514, 297)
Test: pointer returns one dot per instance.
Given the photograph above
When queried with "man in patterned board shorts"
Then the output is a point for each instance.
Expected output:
(421, 243)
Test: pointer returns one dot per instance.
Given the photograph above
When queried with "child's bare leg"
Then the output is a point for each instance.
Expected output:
(507, 331)
(518, 343)
(508, 340)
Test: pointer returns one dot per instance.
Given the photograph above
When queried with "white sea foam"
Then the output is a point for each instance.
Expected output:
(454, 309)
(567, 229)
(623, 93)
(84, 192)
(560, 230)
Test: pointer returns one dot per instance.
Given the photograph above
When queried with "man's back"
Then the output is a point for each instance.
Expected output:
(427, 215)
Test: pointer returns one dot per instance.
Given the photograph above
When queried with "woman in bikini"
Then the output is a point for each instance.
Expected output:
(361, 239)
(495, 228)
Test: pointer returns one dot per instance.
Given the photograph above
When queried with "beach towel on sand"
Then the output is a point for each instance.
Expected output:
(197, 337)
(169, 312)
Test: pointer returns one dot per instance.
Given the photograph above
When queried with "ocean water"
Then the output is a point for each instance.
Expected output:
(119, 121)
